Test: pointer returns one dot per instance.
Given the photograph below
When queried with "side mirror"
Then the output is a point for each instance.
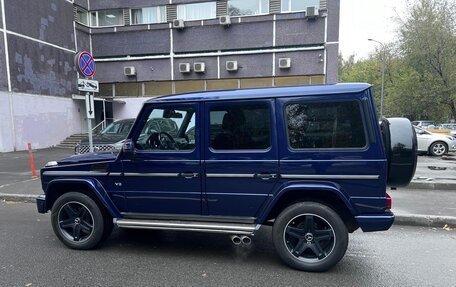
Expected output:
(128, 146)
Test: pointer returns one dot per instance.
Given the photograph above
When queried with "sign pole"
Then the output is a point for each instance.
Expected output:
(86, 66)
(89, 123)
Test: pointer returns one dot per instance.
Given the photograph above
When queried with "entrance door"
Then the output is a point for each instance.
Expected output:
(163, 175)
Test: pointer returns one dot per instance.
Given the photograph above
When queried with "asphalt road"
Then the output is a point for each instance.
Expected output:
(30, 255)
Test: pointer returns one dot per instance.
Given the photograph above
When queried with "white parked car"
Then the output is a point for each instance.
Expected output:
(433, 143)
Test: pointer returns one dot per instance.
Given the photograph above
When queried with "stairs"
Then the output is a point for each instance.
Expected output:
(71, 141)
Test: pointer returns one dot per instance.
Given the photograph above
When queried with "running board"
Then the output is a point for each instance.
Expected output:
(227, 228)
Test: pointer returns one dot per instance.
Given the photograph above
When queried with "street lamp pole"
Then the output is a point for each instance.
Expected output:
(383, 75)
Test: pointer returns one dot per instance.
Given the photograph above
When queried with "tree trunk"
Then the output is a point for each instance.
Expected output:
(453, 109)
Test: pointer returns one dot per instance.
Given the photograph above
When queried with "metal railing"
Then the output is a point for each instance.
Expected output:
(102, 125)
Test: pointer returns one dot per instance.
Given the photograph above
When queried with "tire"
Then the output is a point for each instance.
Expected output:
(78, 221)
(438, 149)
(304, 229)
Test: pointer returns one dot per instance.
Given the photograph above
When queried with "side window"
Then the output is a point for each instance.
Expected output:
(240, 127)
(168, 129)
(325, 125)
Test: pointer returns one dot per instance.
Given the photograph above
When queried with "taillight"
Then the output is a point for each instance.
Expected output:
(389, 201)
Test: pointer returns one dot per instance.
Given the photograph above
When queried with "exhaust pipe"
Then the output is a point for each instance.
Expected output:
(236, 239)
(246, 240)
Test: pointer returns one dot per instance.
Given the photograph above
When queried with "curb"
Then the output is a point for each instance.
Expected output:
(400, 219)
(431, 185)
(424, 220)
(18, 197)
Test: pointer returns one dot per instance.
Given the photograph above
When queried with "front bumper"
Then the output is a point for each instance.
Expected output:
(375, 222)
(41, 203)
(452, 146)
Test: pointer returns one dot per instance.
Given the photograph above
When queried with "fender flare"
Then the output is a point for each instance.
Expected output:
(95, 186)
(326, 187)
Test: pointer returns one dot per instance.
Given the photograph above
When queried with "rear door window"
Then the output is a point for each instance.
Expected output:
(240, 127)
(325, 125)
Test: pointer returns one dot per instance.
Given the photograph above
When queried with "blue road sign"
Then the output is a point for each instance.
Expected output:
(85, 64)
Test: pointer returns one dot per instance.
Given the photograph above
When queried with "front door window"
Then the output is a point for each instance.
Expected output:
(168, 129)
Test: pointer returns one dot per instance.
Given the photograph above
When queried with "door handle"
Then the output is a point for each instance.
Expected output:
(189, 175)
(266, 176)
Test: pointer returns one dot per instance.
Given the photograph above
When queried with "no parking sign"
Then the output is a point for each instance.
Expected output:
(85, 64)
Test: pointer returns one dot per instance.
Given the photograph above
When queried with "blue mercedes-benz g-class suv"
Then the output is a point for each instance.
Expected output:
(311, 161)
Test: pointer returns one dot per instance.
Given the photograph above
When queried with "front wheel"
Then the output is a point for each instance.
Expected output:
(78, 221)
(310, 236)
(438, 149)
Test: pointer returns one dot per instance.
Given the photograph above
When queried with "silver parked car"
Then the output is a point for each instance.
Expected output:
(433, 143)
(451, 127)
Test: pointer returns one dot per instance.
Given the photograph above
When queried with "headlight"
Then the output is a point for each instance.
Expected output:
(51, 163)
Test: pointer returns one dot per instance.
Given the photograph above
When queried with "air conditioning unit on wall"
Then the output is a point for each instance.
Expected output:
(178, 24)
(231, 66)
(184, 68)
(199, 67)
(225, 20)
(129, 71)
(312, 12)
(284, 63)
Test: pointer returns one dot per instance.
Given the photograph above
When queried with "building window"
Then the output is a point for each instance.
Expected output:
(197, 11)
(247, 7)
(298, 5)
(325, 125)
(148, 15)
(82, 16)
(240, 127)
(106, 18)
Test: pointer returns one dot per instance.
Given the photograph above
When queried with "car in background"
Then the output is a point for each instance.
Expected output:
(110, 138)
(433, 143)
(450, 127)
(424, 124)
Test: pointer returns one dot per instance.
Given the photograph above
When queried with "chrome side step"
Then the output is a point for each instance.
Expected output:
(213, 227)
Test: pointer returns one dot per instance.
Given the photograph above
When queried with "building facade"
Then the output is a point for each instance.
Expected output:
(146, 48)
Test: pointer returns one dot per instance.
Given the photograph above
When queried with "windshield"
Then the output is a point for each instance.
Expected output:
(119, 127)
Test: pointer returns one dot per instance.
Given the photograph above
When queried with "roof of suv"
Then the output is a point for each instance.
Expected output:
(258, 93)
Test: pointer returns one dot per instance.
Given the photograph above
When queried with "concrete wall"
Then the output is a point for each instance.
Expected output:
(3, 76)
(41, 47)
(40, 69)
(130, 109)
(6, 129)
(46, 20)
(40, 120)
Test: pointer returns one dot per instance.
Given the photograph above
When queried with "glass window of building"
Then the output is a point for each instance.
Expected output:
(107, 18)
(148, 15)
(298, 5)
(82, 16)
(247, 7)
(197, 11)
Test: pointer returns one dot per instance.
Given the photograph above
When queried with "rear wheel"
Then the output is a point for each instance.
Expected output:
(78, 221)
(438, 149)
(310, 236)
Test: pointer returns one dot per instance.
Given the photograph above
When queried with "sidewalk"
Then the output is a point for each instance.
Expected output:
(430, 200)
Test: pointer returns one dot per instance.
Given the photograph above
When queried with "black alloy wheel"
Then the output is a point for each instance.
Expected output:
(79, 222)
(310, 236)
(75, 221)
